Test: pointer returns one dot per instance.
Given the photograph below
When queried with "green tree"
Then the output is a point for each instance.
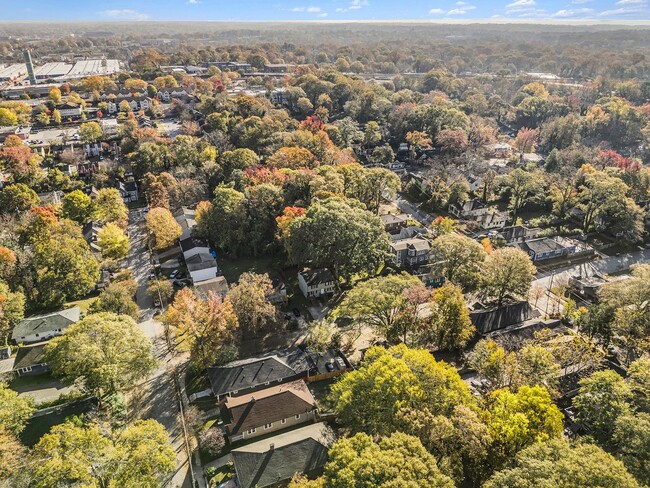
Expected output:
(113, 242)
(239, 159)
(603, 397)
(77, 206)
(12, 308)
(249, 298)
(383, 155)
(225, 221)
(7, 117)
(202, 326)
(631, 438)
(163, 228)
(104, 352)
(92, 455)
(521, 186)
(15, 410)
(17, 198)
(12, 457)
(449, 325)
(638, 377)
(379, 302)
(90, 132)
(507, 272)
(517, 420)
(397, 460)
(369, 398)
(118, 299)
(108, 206)
(458, 259)
(557, 464)
(372, 134)
(340, 235)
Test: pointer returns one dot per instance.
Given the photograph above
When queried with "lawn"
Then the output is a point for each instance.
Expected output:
(233, 268)
(37, 427)
(83, 303)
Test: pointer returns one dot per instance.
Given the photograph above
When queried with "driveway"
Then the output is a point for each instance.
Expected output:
(411, 209)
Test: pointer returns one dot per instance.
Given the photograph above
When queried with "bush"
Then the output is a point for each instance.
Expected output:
(212, 441)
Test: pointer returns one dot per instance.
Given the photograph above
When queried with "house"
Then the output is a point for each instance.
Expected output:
(217, 285)
(475, 183)
(393, 223)
(279, 96)
(265, 411)
(50, 197)
(186, 218)
(276, 460)
(29, 360)
(44, 327)
(279, 295)
(587, 286)
(278, 68)
(110, 127)
(167, 94)
(492, 220)
(490, 319)
(501, 150)
(129, 191)
(411, 252)
(548, 248)
(202, 267)
(90, 232)
(517, 233)
(136, 104)
(70, 110)
(315, 283)
(191, 247)
(253, 374)
(22, 132)
(468, 210)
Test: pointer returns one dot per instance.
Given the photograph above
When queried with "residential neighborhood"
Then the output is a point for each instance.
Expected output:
(325, 254)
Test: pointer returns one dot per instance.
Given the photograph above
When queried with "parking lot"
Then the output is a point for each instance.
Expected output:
(45, 137)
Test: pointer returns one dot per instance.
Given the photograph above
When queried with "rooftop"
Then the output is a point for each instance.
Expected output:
(42, 324)
(317, 276)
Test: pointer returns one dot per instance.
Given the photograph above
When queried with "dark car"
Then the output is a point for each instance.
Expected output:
(287, 316)
(296, 312)
(180, 275)
(179, 284)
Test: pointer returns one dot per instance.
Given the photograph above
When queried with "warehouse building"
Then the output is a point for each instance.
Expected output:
(52, 70)
(13, 71)
(92, 67)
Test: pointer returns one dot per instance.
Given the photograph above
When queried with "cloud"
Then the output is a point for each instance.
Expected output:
(461, 9)
(322, 15)
(354, 5)
(192, 2)
(124, 14)
(580, 2)
(521, 6)
(625, 11)
(632, 2)
(437, 11)
(567, 13)
(309, 10)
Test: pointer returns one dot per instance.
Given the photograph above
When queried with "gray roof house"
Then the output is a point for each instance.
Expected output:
(277, 459)
(43, 327)
(247, 375)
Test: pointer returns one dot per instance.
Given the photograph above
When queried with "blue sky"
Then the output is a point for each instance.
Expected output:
(324, 9)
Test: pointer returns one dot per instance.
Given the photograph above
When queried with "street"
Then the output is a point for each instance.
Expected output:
(408, 208)
(157, 397)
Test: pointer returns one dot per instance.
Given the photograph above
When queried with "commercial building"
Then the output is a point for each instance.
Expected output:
(13, 71)
(92, 67)
(52, 70)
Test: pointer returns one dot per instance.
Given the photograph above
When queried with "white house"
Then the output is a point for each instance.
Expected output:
(110, 127)
(202, 267)
(315, 283)
(43, 327)
(70, 109)
(192, 247)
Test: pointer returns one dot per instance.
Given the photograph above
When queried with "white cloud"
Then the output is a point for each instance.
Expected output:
(322, 15)
(192, 2)
(632, 2)
(580, 2)
(461, 10)
(354, 5)
(625, 11)
(521, 6)
(125, 14)
(568, 13)
(309, 10)
(437, 11)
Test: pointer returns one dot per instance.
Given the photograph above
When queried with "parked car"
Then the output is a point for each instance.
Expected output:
(296, 312)
(156, 302)
(180, 275)
(179, 284)
(174, 273)
(152, 276)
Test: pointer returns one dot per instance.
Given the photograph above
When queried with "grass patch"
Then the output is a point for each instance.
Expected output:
(29, 382)
(84, 303)
(233, 268)
(37, 427)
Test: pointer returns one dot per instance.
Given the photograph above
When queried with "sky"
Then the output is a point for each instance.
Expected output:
(260, 10)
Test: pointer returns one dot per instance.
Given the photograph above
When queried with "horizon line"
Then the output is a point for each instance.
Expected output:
(489, 20)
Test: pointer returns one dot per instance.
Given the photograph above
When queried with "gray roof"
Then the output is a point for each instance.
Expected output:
(200, 261)
(278, 458)
(488, 320)
(393, 219)
(191, 243)
(317, 276)
(543, 245)
(29, 355)
(42, 324)
(218, 285)
(248, 374)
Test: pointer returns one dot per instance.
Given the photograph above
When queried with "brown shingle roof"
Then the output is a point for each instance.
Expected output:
(266, 406)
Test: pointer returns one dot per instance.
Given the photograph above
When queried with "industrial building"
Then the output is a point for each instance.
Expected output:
(52, 70)
(91, 67)
(13, 71)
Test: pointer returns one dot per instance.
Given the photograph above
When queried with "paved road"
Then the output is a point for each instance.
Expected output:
(408, 208)
(157, 396)
(605, 265)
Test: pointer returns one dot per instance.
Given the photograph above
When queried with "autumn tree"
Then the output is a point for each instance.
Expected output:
(559, 464)
(15, 410)
(202, 326)
(249, 298)
(368, 399)
(117, 298)
(105, 353)
(163, 228)
(525, 140)
(140, 454)
(77, 206)
(17, 198)
(448, 326)
(293, 158)
(90, 132)
(12, 307)
(458, 259)
(113, 242)
(521, 187)
(108, 206)
(507, 272)
(330, 235)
